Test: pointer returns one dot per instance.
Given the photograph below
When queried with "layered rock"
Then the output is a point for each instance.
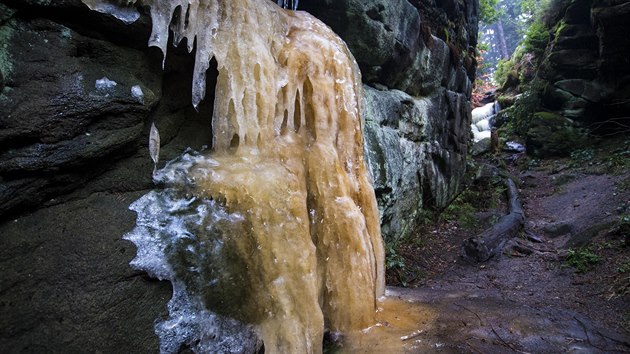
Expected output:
(587, 67)
(68, 104)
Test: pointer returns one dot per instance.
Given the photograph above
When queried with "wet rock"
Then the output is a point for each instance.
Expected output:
(576, 35)
(67, 285)
(67, 143)
(611, 27)
(468, 320)
(56, 121)
(580, 61)
(587, 66)
(393, 48)
(481, 147)
(587, 90)
(76, 15)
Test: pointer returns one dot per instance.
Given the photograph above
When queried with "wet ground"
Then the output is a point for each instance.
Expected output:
(562, 285)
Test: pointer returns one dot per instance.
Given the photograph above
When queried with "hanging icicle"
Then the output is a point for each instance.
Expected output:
(285, 4)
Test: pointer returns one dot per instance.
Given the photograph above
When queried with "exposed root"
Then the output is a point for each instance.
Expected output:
(490, 242)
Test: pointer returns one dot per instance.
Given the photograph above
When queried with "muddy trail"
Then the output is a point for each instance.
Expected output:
(560, 284)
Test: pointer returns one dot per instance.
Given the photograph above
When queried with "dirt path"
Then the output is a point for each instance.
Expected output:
(567, 291)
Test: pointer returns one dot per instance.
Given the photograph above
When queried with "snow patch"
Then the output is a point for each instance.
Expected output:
(105, 84)
(136, 92)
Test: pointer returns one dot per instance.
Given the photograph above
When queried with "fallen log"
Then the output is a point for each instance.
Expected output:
(491, 241)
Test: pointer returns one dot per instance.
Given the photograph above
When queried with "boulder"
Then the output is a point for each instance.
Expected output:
(415, 158)
(551, 134)
(481, 146)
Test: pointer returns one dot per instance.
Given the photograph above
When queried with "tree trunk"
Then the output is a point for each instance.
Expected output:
(501, 37)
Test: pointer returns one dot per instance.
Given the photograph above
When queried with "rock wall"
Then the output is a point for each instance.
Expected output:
(587, 65)
(73, 152)
(418, 87)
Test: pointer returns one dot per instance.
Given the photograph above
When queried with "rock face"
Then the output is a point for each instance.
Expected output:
(66, 283)
(587, 68)
(416, 149)
(67, 106)
(74, 130)
(418, 87)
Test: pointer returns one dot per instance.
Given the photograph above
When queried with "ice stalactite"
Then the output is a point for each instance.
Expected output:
(288, 4)
(287, 156)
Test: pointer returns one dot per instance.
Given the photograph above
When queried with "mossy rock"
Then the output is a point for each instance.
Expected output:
(506, 101)
(504, 116)
(511, 80)
(550, 134)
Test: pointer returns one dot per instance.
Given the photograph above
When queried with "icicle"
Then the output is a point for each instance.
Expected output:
(287, 140)
(285, 4)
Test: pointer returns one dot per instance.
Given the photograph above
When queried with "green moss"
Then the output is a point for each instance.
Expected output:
(462, 212)
(536, 39)
(549, 118)
(505, 101)
(501, 73)
(582, 259)
(560, 28)
(515, 119)
(550, 134)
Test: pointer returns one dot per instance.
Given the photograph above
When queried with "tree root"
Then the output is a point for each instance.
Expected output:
(490, 242)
